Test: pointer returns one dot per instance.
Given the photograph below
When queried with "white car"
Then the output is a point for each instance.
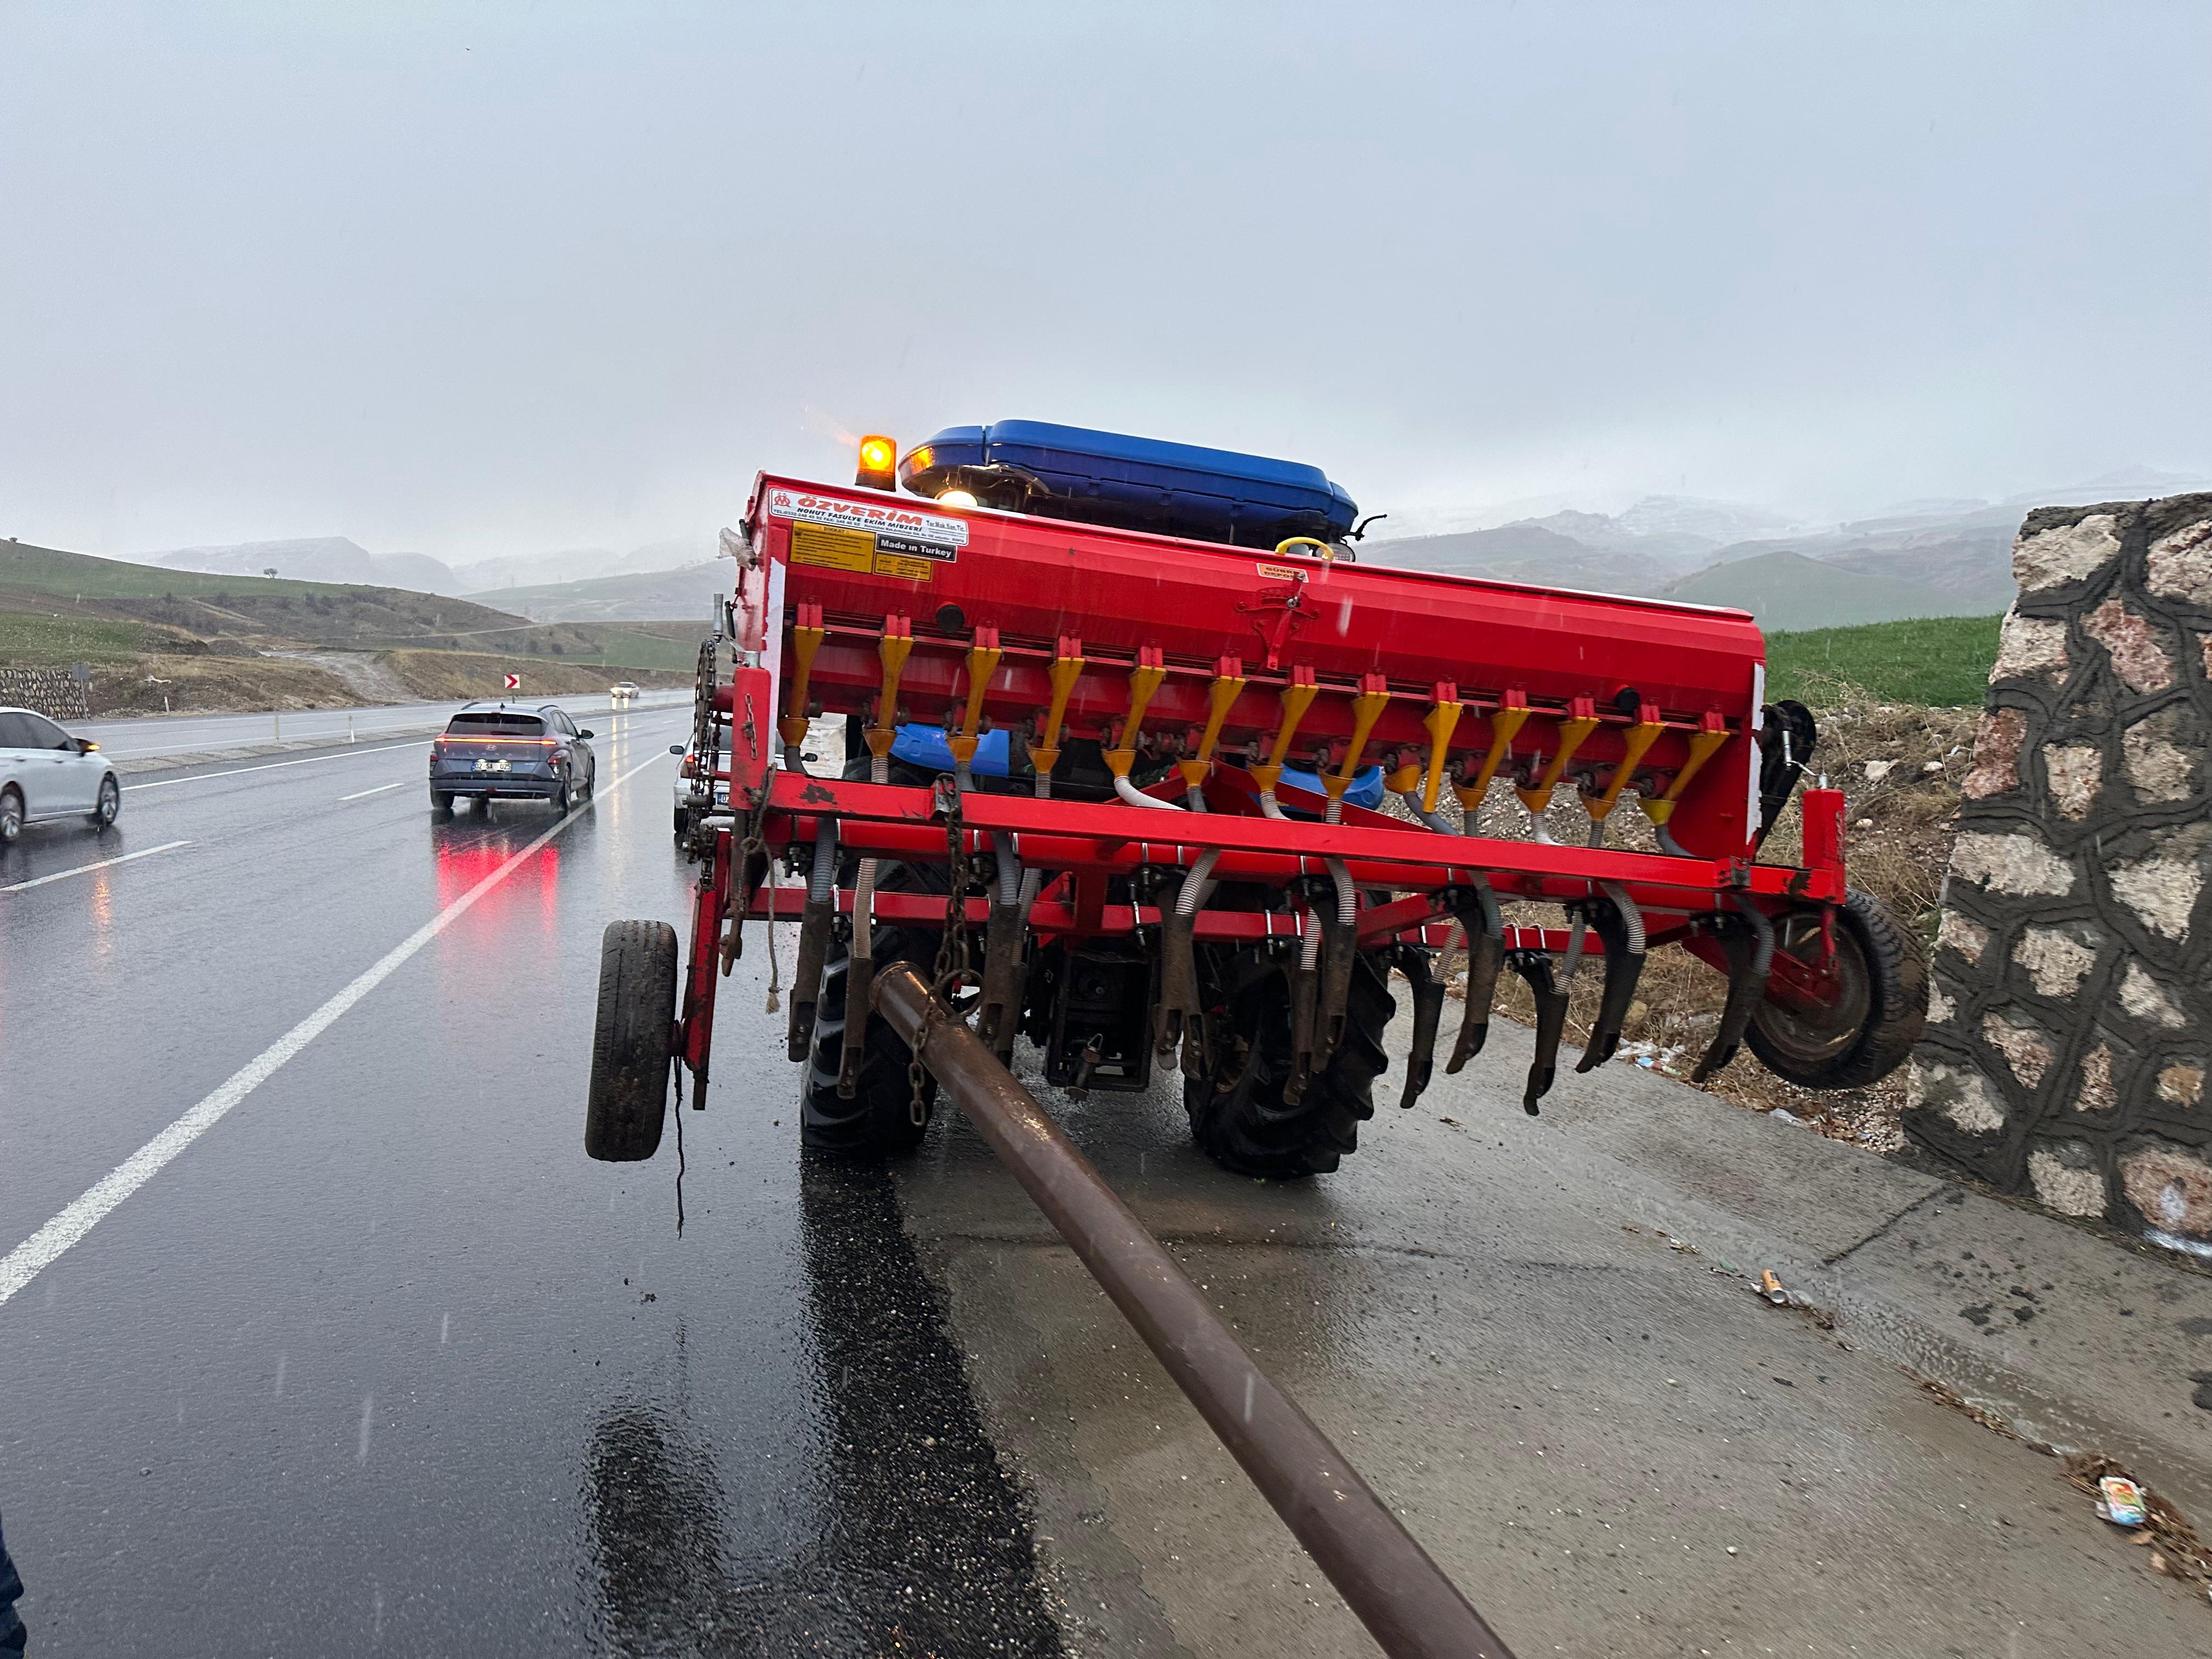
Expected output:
(46, 773)
(623, 695)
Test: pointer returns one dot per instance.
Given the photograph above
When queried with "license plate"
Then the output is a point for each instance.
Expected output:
(491, 766)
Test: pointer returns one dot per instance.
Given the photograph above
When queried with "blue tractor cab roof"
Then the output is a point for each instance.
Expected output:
(1133, 483)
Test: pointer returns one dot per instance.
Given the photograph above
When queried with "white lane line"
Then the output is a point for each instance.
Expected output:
(86, 869)
(271, 766)
(363, 795)
(45, 1247)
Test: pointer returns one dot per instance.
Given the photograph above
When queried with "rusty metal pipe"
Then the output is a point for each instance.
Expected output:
(1400, 1594)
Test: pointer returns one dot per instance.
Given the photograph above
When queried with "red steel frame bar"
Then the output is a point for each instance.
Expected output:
(1063, 834)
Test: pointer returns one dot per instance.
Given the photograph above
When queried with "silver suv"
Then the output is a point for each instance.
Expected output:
(46, 773)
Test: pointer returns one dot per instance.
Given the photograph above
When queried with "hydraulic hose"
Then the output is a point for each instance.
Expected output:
(1347, 895)
(864, 905)
(1631, 917)
(1575, 947)
(1192, 896)
(1436, 821)
(1136, 797)
(822, 880)
(1494, 918)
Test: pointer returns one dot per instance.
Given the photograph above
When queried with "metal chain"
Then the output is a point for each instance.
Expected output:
(756, 841)
(706, 683)
(917, 1113)
(952, 951)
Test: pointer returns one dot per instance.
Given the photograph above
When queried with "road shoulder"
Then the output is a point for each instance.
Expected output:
(1464, 1307)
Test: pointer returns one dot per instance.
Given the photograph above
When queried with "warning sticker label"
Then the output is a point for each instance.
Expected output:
(1282, 573)
(931, 534)
(838, 549)
(831, 549)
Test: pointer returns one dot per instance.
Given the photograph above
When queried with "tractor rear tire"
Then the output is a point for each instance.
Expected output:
(878, 1121)
(1876, 1019)
(629, 1098)
(1238, 1117)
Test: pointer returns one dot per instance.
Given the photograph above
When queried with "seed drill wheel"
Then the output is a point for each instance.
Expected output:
(629, 1098)
(877, 1120)
(1881, 998)
(1238, 1115)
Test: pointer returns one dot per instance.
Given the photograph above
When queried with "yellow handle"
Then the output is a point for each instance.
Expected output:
(1066, 668)
(1143, 679)
(1571, 733)
(1635, 740)
(1227, 687)
(1296, 698)
(1366, 708)
(892, 651)
(1505, 725)
(805, 640)
(1702, 745)
(1441, 721)
(982, 663)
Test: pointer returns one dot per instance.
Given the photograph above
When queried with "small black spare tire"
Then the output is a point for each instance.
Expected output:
(629, 1098)
(1881, 974)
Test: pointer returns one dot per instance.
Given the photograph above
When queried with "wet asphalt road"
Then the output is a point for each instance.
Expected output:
(381, 1363)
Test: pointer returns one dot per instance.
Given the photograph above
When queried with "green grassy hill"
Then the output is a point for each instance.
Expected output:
(1787, 591)
(653, 594)
(52, 600)
(1941, 662)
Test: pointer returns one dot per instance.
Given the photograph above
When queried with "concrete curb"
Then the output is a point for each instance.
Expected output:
(131, 765)
(2063, 1337)
(411, 731)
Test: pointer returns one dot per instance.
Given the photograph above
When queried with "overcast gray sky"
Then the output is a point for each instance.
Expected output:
(473, 280)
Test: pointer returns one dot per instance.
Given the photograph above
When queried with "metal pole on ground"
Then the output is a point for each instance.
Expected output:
(1398, 1592)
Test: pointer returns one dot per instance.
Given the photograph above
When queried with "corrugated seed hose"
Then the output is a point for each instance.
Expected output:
(1136, 797)
(1196, 884)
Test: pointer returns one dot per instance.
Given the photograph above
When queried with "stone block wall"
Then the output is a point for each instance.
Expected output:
(2069, 1026)
(54, 692)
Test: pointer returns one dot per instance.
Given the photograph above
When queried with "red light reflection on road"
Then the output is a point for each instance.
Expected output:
(461, 864)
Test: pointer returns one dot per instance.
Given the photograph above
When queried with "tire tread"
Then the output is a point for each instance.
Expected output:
(628, 1102)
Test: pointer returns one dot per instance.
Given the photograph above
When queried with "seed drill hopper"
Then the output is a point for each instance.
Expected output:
(1142, 763)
